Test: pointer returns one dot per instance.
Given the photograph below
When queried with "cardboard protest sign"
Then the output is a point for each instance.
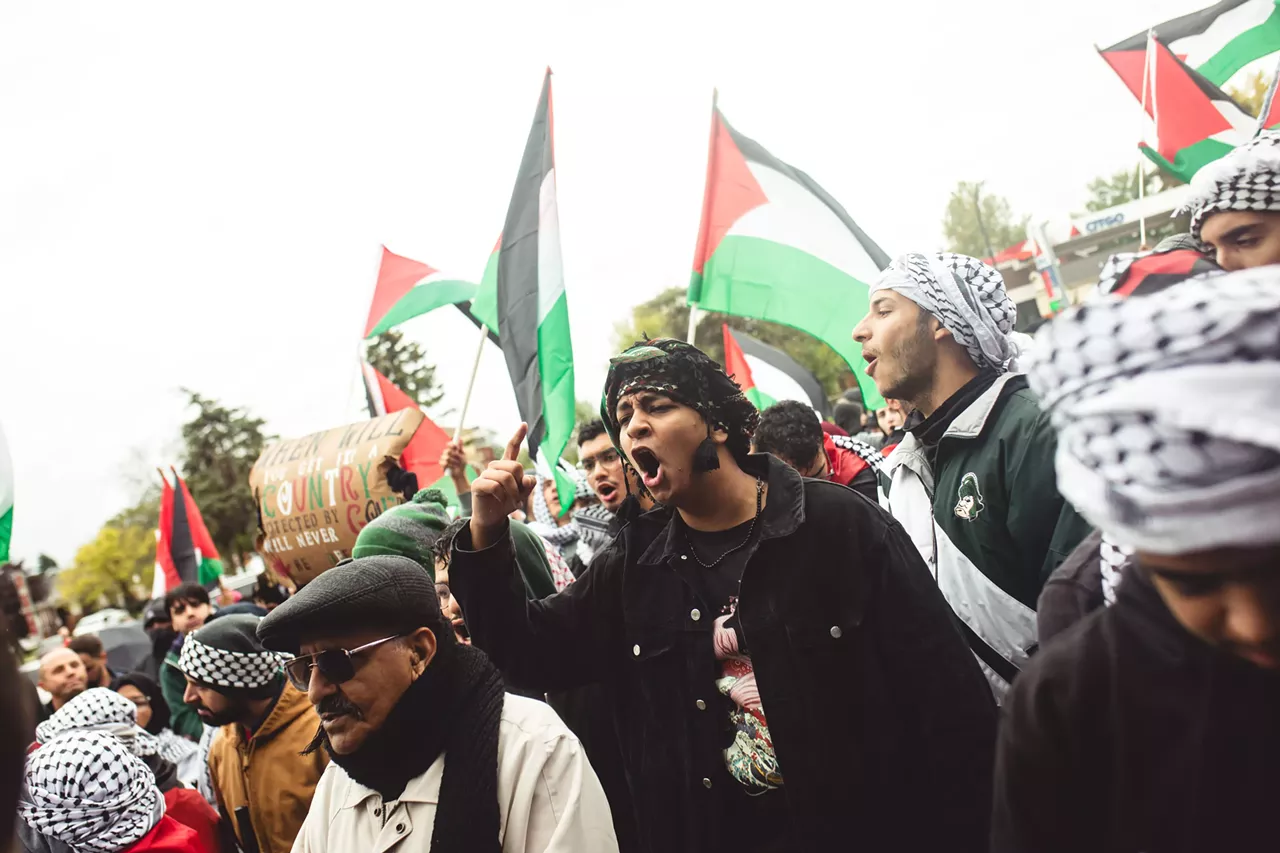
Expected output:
(316, 493)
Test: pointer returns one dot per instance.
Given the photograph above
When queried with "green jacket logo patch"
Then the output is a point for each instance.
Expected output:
(970, 503)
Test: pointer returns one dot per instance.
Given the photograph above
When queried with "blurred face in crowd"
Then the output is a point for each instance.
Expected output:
(356, 708)
(140, 700)
(452, 610)
(602, 465)
(899, 344)
(95, 668)
(552, 498)
(1228, 597)
(890, 417)
(1243, 239)
(214, 708)
(188, 616)
(660, 436)
(63, 675)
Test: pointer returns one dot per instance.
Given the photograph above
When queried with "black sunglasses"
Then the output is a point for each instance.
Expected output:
(336, 665)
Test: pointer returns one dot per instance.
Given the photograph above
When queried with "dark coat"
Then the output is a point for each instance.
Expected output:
(1127, 733)
(882, 722)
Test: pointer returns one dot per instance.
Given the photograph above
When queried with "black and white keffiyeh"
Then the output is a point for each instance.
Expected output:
(1168, 414)
(865, 451)
(87, 791)
(1247, 178)
(100, 710)
(966, 295)
(592, 525)
(227, 669)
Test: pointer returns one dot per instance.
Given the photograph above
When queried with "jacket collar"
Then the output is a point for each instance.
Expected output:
(291, 705)
(423, 788)
(968, 424)
(783, 512)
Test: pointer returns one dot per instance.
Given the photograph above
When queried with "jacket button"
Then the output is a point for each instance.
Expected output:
(836, 632)
(702, 706)
(706, 783)
(377, 812)
(695, 614)
(684, 556)
(399, 827)
(635, 650)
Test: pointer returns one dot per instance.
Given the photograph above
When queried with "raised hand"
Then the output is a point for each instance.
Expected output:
(499, 491)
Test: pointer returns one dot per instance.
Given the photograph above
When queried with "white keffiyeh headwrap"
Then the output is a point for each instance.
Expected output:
(1247, 178)
(1168, 413)
(967, 296)
(100, 710)
(87, 791)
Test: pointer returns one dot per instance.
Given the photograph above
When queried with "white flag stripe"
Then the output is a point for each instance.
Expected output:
(550, 266)
(773, 382)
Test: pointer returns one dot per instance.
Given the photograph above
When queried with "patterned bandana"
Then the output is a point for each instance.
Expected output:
(592, 523)
(85, 790)
(1247, 178)
(233, 670)
(100, 710)
(968, 298)
(1155, 471)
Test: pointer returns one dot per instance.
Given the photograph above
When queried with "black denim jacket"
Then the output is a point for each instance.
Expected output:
(883, 725)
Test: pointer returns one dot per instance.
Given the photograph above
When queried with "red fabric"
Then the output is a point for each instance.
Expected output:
(421, 455)
(170, 836)
(831, 429)
(731, 191)
(396, 277)
(1184, 113)
(188, 809)
(200, 537)
(735, 363)
(845, 464)
(164, 557)
(887, 449)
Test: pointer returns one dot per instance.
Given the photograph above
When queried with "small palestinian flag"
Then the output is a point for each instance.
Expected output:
(532, 312)
(766, 374)
(407, 289)
(775, 246)
(6, 498)
(1196, 122)
(1216, 42)
(184, 549)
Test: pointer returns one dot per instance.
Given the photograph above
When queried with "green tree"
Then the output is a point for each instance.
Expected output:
(220, 446)
(667, 315)
(116, 568)
(964, 228)
(1110, 190)
(45, 563)
(405, 364)
(1251, 93)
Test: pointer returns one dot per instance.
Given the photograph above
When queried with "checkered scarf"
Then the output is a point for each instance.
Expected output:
(1247, 178)
(87, 791)
(592, 523)
(1136, 456)
(968, 298)
(220, 668)
(865, 451)
(100, 710)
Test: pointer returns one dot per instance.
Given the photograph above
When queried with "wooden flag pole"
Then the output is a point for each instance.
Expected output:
(471, 384)
(711, 160)
(1147, 72)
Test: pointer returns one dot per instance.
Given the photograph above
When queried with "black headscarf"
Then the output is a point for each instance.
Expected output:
(159, 708)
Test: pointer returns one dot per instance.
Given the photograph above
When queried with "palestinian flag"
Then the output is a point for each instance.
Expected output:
(485, 306)
(408, 288)
(6, 498)
(767, 374)
(421, 456)
(775, 246)
(1195, 121)
(532, 312)
(1216, 42)
(184, 550)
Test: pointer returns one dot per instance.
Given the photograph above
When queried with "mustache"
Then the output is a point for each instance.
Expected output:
(338, 704)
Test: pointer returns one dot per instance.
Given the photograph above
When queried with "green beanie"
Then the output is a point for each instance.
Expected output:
(408, 530)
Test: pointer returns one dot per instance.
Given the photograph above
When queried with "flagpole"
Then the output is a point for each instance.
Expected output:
(360, 339)
(1142, 183)
(471, 384)
(711, 160)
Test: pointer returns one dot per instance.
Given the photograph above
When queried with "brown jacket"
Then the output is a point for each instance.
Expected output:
(267, 774)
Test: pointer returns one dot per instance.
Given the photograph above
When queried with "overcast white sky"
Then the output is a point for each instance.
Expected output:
(194, 195)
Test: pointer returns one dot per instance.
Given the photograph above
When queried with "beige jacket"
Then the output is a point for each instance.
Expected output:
(549, 798)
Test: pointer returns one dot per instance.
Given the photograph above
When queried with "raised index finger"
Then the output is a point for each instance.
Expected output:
(513, 446)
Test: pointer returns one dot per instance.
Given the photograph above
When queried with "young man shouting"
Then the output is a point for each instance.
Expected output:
(785, 674)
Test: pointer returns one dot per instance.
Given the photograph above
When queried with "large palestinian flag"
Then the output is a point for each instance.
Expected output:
(775, 246)
(184, 549)
(767, 375)
(1216, 42)
(532, 312)
(408, 288)
(1195, 121)
(6, 498)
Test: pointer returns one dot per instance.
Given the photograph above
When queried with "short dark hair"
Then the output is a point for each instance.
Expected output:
(443, 545)
(86, 644)
(847, 415)
(590, 430)
(790, 430)
(189, 592)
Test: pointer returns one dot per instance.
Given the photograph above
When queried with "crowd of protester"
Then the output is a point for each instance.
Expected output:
(1031, 604)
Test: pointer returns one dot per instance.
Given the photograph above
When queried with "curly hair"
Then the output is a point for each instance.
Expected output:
(790, 430)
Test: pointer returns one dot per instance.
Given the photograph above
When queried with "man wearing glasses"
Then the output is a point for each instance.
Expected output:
(262, 781)
(424, 742)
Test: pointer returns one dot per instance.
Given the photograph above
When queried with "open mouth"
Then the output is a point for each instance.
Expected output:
(871, 359)
(606, 492)
(646, 461)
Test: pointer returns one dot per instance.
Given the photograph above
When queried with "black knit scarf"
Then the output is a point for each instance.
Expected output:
(453, 708)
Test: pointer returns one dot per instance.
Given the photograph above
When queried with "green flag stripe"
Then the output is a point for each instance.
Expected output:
(758, 278)
(1189, 160)
(424, 298)
(555, 365)
(1253, 43)
(485, 305)
(6, 533)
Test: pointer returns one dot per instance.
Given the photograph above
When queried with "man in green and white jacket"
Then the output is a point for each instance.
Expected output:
(973, 480)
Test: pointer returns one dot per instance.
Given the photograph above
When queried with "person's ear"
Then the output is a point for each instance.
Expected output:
(422, 649)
